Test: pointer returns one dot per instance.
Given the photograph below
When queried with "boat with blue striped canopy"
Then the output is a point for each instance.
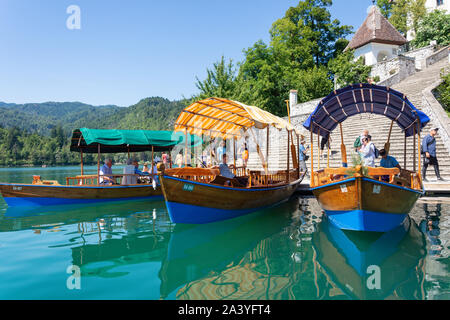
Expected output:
(365, 198)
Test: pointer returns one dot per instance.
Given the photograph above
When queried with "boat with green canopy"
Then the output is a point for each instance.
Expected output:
(90, 188)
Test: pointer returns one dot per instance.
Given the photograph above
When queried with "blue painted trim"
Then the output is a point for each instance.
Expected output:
(391, 185)
(31, 201)
(227, 188)
(191, 214)
(334, 184)
(365, 220)
(79, 187)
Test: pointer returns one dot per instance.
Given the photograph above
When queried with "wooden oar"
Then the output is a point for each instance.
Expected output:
(343, 149)
(387, 145)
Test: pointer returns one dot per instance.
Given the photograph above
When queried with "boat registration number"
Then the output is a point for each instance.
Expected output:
(188, 187)
(17, 188)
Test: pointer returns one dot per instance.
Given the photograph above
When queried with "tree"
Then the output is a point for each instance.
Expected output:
(434, 26)
(220, 81)
(385, 7)
(347, 71)
(399, 16)
(307, 35)
(418, 11)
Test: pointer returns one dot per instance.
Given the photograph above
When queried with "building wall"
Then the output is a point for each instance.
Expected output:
(374, 52)
(432, 5)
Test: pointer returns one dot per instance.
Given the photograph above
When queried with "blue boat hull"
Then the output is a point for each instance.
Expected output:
(364, 204)
(191, 202)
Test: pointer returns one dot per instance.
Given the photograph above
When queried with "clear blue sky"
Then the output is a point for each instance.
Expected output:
(129, 50)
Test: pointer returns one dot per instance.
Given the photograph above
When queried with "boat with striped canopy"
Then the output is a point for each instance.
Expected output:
(202, 195)
(366, 198)
(88, 188)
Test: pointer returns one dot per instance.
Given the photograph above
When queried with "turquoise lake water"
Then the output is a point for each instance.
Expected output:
(131, 250)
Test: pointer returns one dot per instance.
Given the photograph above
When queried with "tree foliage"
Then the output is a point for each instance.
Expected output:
(301, 45)
(348, 71)
(434, 26)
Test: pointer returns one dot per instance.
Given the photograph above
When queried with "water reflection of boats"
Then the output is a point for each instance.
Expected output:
(352, 260)
(198, 252)
(23, 218)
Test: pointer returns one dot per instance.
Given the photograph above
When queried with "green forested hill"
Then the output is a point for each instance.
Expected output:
(40, 118)
(39, 133)
(154, 113)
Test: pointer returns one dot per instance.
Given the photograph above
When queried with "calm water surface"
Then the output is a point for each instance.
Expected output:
(130, 250)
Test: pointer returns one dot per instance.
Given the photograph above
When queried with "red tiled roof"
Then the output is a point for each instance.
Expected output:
(376, 28)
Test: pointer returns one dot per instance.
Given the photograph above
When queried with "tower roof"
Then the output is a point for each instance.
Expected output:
(376, 28)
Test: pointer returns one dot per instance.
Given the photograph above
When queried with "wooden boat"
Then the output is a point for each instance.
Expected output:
(86, 188)
(202, 195)
(364, 198)
(351, 261)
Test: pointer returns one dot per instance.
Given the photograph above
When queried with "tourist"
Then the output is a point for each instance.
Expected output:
(105, 173)
(302, 156)
(245, 155)
(165, 159)
(226, 172)
(367, 152)
(128, 172)
(429, 154)
(179, 160)
(145, 168)
(221, 150)
(326, 141)
(136, 169)
(358, 142)
(388, 161)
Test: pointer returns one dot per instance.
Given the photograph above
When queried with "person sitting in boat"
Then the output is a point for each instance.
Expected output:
(105, 173)
(139, 172)
(367, 152)
(226, 172)
(387, 161)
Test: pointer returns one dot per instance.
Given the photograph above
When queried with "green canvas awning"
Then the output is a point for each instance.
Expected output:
(117, 141)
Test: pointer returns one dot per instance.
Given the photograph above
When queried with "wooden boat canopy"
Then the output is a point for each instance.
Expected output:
(117, 141)
(226, 119)
(365, 98)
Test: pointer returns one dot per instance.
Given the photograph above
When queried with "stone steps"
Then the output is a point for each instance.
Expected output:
(377, 125)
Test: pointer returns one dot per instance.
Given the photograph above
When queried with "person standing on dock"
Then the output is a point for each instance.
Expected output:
(302, 157)
(429, 154)
(359, 140)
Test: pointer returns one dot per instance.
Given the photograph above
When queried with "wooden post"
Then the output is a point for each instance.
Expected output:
(288, 153)
(151, 163)
(312, 158)
(343, 149)
(318, 150)
(267, 148)
(185, 147)
(98, 164)
(298, 158)
(419, 148)
(82, 169)
(404, 153)
(414, 148)
(234, 154)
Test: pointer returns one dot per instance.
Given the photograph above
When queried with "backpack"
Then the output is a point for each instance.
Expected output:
(377, 152)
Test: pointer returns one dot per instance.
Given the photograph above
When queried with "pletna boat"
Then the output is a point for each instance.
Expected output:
(203, 195)
(86, 188)
(365, 198)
